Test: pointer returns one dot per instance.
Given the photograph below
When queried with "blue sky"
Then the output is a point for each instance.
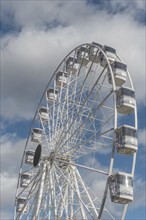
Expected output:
(35, 37)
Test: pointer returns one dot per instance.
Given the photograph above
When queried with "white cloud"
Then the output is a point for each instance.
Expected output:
(8, 191)
(142, 147)
(11, 153)
(139, 193)
(43, 13)
(142, 137)
(134, 5)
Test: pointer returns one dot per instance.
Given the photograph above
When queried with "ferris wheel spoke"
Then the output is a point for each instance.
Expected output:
(76, 144)
(70, 126)
(53, 112)
(82, 166)
(48, 188)
(83, 214)
(43, 213)
(58, 111)
(90, 128)
(39, 193)
(86, 119)
(96, 131)
(49, 121)
(95, 198)
(47, 202)
(52, 193)
(83, 150)
(84, 190)
(74, 127)
(44, 138)
(36, 203)
(87, 74)
(99, 85)
(87, 193)
(74, 103)
(64, 204)
(63, 113)
(71, 208)
(81, 205)
(62, 199)
(83, 104)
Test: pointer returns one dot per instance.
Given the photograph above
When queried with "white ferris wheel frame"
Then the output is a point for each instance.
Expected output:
(73, 165)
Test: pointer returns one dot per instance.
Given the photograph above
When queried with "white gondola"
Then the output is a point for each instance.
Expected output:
(20, 204)
(29, 155)
(52, 94)
(94, 53)
(43, 113)
(110, 53)
(25, 180)
(120, 73)
(125, 100)
(83, 56)
(121, 188)
(126, 140)
(36, 135)
(72, 65)
(61, 78)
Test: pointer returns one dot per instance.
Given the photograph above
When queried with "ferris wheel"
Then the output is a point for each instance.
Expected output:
(79, 158)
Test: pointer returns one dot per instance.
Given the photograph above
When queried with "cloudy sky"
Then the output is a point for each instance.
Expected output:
(35, 37)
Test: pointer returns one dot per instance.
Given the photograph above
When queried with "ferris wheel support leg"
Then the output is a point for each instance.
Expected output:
(53, 199)
(133, 164)
(49, 202)
(124, 212)
(66, 208)
(71, 207)
(78, 193)
(103, 201)
(64, 196)
(40, 193)
(87, 193)
(112, 161)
